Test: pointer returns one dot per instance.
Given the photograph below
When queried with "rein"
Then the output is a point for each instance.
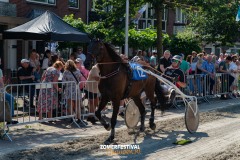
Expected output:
(116, 72)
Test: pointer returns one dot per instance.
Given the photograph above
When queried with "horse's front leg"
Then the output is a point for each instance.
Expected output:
(102, 104)
(111, 137)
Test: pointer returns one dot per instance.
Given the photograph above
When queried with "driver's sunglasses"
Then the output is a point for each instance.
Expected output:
(174, 60)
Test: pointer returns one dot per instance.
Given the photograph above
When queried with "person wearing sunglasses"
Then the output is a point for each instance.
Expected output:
(174, 74)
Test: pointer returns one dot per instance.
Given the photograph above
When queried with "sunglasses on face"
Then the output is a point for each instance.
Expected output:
(174, 60)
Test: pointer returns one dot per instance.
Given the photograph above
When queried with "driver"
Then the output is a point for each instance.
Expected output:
(175, 75)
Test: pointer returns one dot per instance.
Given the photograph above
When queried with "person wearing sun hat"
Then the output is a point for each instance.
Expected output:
(25, 76)
(25, 72)
(84, 72)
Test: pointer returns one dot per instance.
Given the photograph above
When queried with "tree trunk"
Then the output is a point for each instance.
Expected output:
(158, 10)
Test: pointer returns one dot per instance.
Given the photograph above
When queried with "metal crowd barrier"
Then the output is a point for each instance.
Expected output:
(205, 86)
(41, 102)
(89, 100)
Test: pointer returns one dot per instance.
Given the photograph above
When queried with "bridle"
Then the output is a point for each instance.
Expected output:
(113, 73)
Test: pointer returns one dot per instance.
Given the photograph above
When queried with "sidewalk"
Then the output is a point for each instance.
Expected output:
(36, 135)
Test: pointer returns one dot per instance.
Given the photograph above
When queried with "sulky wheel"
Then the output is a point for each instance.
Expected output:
(132, 114)
(192, 117)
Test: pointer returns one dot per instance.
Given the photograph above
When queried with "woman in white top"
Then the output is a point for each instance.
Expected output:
(46, 59)
(91, 91)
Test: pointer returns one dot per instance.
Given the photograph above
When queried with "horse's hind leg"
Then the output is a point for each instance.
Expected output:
(150, 95)
(142, 111)
(102, 104)
(116, 104)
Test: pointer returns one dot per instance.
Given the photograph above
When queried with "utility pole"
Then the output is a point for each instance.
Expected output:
(126, 28)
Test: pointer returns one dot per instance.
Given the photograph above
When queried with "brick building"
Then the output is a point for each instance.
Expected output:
(31, 8)
(17, 12)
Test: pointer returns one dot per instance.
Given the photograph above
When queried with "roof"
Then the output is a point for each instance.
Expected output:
(48, 27)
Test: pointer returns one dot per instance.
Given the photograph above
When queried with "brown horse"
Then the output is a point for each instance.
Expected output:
(116, 84)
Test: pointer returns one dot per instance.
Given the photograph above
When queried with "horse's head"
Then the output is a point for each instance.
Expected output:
(97, 48)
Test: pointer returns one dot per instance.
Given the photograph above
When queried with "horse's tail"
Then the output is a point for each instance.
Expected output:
(162, 99)
(159, 90)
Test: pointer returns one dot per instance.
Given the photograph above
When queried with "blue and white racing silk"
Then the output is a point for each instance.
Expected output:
(136, 73)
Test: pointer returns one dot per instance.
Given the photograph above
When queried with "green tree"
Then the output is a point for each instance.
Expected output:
(113, 12)
(158, 6)
(185, 42)
(143, 39)
(214, 21)
(96, 30)
(77, 23)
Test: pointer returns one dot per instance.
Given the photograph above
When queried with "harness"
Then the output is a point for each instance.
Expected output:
(110, 74)
(129, 77)
(129, 86)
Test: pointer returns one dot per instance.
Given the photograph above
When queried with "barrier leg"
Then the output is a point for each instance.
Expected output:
(4, 131)
(74, 121)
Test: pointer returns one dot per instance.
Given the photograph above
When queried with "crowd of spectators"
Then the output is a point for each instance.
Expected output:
(200, 67)
(200, 71)
(52, 68)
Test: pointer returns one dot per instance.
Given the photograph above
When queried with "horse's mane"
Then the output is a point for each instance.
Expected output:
(111, 50)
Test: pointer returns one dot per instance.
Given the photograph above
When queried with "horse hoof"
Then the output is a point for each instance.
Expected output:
(98, 115)
(153, 126)
(162, 113)
(131, 132)
(142, 129)
(109, 141)
(107, 126)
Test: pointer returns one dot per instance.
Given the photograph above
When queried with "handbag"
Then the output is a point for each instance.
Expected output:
(7, 111)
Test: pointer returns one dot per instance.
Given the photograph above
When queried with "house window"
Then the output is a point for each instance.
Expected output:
(73, 3)
(148, 19)
(51, 2)
(180, 16)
